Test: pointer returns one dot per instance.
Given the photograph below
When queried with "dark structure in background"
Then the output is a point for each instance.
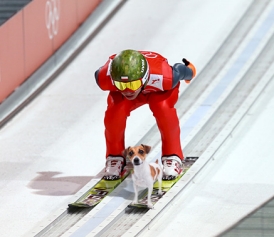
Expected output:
(259, 223)
(10, 7)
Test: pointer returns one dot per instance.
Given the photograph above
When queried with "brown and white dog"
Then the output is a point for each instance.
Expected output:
(144, 173)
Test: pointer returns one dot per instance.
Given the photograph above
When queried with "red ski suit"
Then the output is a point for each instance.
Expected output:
(160, 93)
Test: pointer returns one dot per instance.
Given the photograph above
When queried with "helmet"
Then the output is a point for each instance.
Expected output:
(129, 70)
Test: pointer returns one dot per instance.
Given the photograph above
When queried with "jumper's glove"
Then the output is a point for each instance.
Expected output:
(185, 61)
(191, 66)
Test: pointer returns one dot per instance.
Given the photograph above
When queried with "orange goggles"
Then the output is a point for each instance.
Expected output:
(132, 85)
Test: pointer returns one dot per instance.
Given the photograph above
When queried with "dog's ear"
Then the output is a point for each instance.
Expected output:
(125, 152)
(147, 148)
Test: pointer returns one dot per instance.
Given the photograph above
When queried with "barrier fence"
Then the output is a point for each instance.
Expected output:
(34, 34)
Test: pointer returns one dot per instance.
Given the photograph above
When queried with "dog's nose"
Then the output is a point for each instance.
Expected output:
(136, 161)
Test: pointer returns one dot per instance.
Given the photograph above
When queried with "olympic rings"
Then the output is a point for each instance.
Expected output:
(52, 16)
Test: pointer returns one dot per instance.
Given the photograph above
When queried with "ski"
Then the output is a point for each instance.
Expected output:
(104, 187)
(100, 190)
(166, 186)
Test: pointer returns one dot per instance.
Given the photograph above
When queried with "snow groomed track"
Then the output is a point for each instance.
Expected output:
(209, 109)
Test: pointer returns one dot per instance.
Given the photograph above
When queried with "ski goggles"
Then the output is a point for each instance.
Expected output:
(131, 85)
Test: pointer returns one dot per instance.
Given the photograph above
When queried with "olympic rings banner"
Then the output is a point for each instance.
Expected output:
(52, 17)
(34, 34)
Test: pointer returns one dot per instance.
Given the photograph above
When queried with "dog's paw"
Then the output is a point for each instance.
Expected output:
(160, 193)
(150, 206)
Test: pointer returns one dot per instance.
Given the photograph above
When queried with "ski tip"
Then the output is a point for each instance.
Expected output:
(141, 206)
(191, 158)
(72, 208)
(78, 205)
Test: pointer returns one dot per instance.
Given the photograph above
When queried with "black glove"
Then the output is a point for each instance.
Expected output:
(185, 62)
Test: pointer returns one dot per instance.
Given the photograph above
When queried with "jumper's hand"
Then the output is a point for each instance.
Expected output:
(191, 66)
(186, 62)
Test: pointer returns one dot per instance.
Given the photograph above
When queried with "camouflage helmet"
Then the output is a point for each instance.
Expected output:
(128, 65)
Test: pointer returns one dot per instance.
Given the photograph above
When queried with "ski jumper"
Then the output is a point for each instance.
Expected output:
(160, 93)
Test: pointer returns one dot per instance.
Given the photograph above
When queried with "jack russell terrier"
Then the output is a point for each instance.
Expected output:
(144, 173)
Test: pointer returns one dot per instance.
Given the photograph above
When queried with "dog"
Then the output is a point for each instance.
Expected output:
(144, 173)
